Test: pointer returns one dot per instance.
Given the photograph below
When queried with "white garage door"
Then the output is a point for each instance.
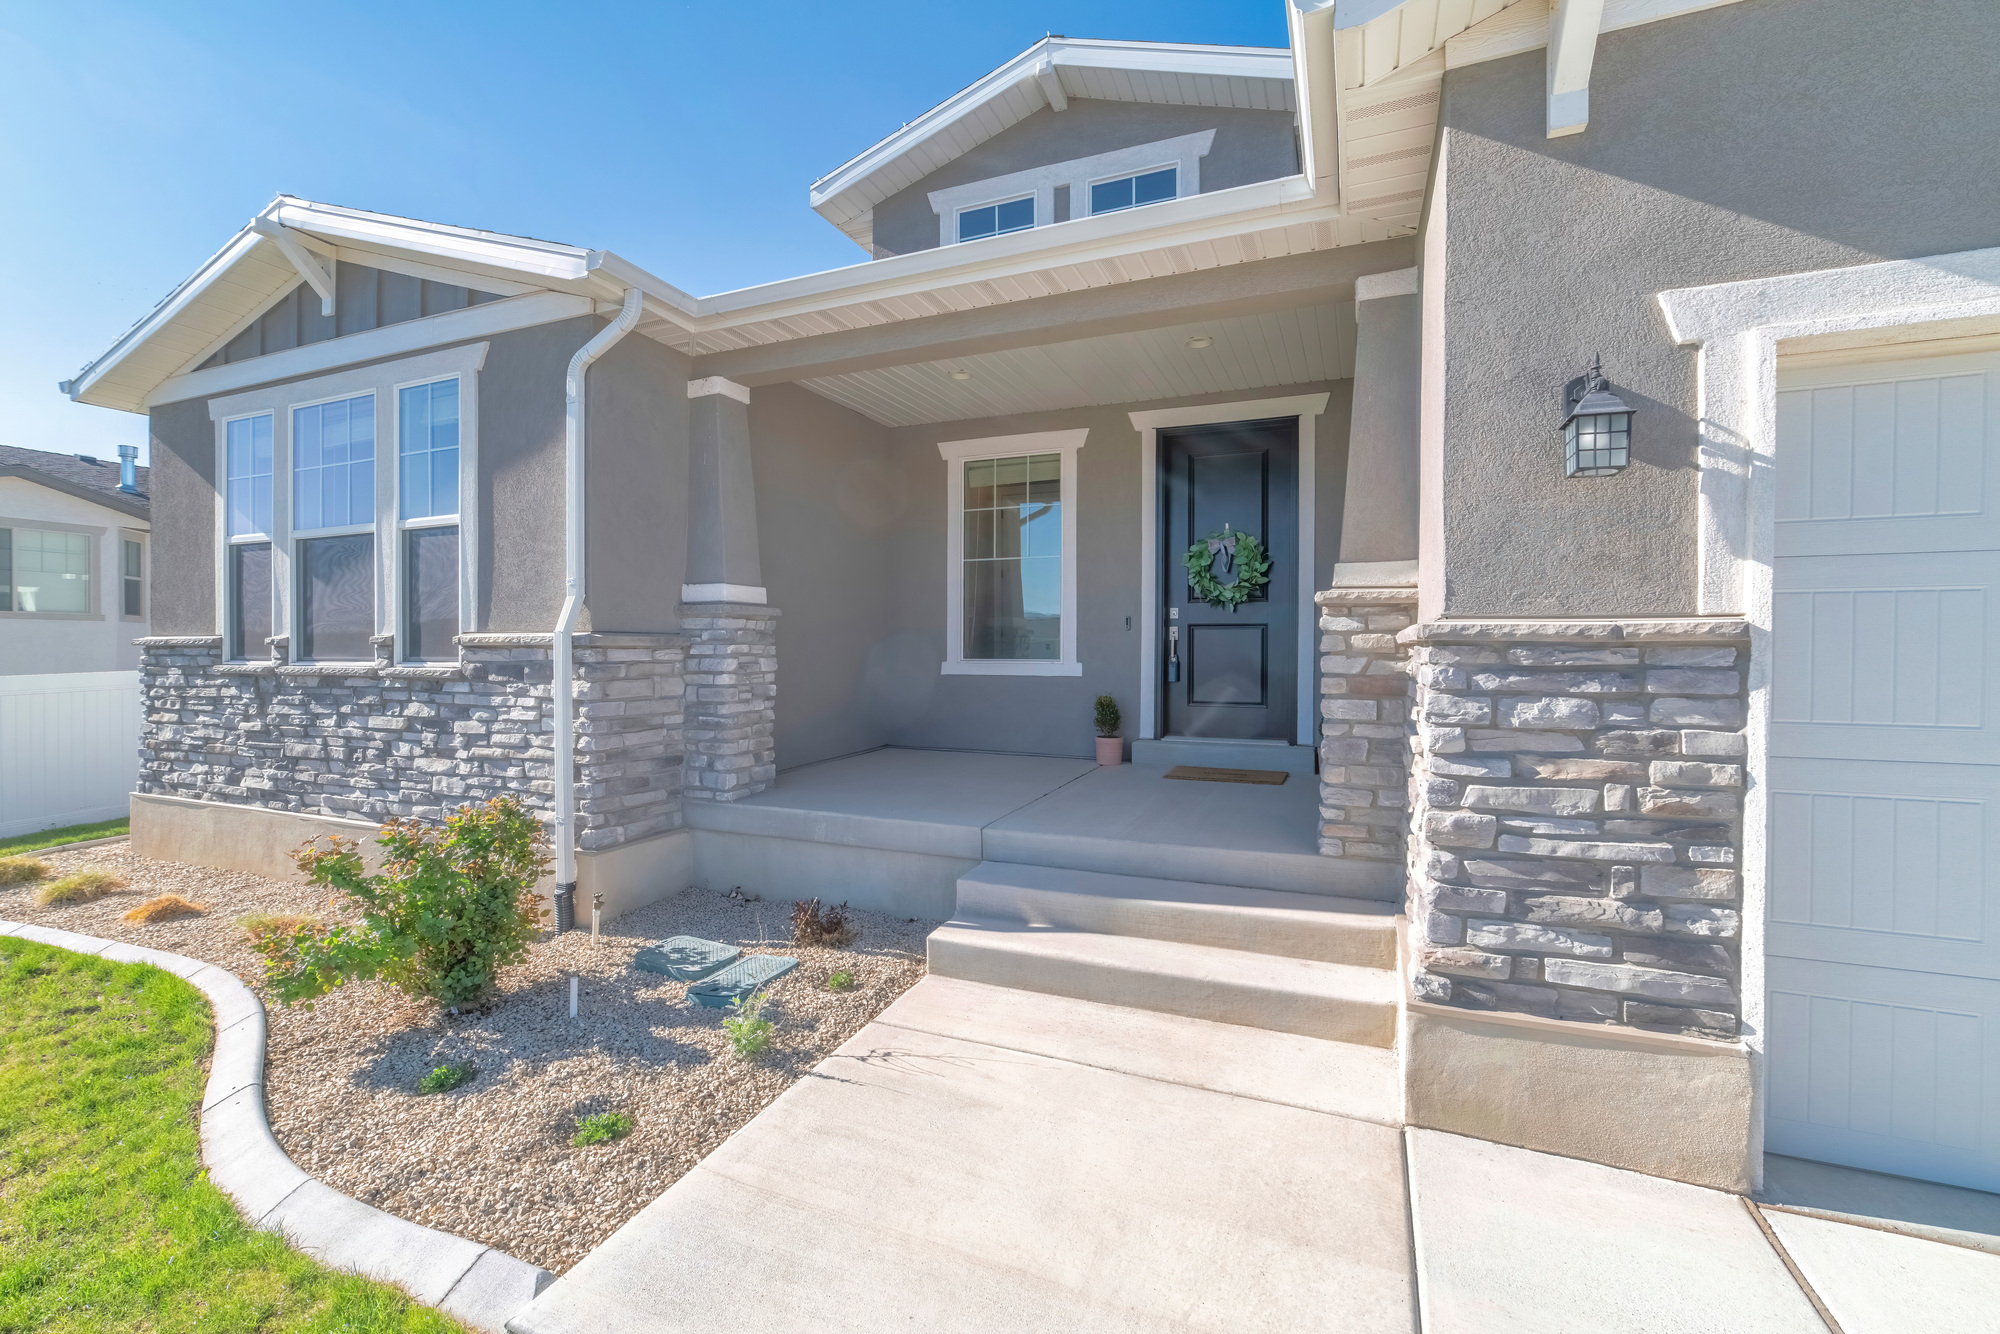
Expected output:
(1884, 944)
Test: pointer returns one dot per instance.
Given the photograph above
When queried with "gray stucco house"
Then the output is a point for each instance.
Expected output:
(1661, 722)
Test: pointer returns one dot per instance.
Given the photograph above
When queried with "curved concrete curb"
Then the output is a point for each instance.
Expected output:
(467, 1280)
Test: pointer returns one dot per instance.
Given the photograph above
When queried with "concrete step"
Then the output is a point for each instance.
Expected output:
(1215, 753)
(1263, 921)
(1339, 1078)
(1335, 1001)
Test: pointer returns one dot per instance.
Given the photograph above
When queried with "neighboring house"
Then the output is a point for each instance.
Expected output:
(73, 561)
(1676, 738)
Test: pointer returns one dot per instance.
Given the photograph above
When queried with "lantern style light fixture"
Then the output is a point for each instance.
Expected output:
(1597, 432)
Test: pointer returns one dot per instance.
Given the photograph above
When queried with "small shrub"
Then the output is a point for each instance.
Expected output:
(166, 908)
(813, 925)
(22, 870)
(79, 887)
(602, 1128)
(264, 927)
(1107, 716)
(749, 1031)
(446, 1078)
(453, 904)
(840, 981)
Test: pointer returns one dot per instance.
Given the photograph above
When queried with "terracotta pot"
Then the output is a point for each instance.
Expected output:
(1110, 750)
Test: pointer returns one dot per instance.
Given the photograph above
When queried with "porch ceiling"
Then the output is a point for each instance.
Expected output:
(1252, 351)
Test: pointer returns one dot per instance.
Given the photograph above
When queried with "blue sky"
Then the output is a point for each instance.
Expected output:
(136, 139)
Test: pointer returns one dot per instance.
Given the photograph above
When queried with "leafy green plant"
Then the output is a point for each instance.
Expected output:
(840, 981)
(79, 887)
(749, 1031)
(1108, 716)
(22, 870)
(602, 1128)
(453, 904)
(446, 1078)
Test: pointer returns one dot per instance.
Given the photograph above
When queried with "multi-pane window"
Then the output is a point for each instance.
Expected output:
(1016, 215)
(1150, 187)
(44, 571)
(1013, 558)
(247, 466)
(333, 464)
(333, 488)
(134, 572)
(427, 463)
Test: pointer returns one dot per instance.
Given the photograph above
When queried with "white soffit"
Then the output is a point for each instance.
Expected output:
(1259, 78)
(1524, 26)
(1288, 347)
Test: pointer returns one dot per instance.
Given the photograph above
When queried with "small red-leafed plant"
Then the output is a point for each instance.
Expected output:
(453, 904)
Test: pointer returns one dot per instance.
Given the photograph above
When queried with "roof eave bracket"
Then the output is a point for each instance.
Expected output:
(1573, 26)
(318, 273)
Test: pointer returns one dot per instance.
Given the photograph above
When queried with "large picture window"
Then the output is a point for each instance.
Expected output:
(1012, 530)
(341, 513)
(44, 571)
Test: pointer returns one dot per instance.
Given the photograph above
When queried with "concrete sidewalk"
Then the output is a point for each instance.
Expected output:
(925, 1179)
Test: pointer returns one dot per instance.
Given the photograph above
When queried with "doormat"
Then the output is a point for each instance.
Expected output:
(748, 974)
(684, 958)
(1197, 773)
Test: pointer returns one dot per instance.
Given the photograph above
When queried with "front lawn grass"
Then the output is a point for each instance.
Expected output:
(107, 1221)
(75, 833)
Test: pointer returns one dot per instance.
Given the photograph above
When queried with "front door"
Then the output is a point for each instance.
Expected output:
(1237, 668)
(1884, 942)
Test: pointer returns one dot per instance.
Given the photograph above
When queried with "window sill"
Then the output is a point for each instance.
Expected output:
(997, 667)
(51, 615)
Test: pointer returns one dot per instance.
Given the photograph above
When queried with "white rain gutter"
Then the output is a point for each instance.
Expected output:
(573, 583)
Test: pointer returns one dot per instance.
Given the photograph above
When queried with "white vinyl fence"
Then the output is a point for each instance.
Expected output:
(69, 749)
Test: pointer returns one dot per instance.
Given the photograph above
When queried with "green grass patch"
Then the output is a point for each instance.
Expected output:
(74, 833)
(446, 1078)
(601, 1129)
(840, 981)
(107, 1221)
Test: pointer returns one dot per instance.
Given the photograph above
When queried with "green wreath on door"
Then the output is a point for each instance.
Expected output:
(1239, 550)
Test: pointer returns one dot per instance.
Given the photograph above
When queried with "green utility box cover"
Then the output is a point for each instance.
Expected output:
(684, 958)
(740, 979)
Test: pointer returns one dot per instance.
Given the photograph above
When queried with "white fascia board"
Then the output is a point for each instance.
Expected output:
(1161, 57)
(175, 301)
(548, 260)
(1315, 94)
(1080, 240)
(1354, 13)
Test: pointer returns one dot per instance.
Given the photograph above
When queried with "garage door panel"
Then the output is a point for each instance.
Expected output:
(1884, 772)
(1889, 1070)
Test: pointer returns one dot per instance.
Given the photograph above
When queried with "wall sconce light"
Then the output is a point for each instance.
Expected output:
(1597, 432)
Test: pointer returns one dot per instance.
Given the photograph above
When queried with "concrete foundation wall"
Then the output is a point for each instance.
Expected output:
(1752, 139)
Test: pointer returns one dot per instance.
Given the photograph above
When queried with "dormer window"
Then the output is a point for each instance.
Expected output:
(1148, 187)
(1015, 215)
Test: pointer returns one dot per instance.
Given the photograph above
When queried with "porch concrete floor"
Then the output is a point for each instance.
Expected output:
(1126, 820)
(928, 1181)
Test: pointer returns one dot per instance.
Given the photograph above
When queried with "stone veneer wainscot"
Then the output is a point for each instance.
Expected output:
(732, 700)
(1576, 815)
(380, 741)
(1364, 687)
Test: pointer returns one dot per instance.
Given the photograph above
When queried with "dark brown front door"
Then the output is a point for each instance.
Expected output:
(1238, 669)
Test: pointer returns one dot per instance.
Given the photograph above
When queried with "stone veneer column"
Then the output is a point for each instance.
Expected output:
(1577, 820)
(732, 684)
(377, 742)
(1364, 687)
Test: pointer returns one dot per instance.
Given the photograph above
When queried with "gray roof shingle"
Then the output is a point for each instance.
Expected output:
(79, 475)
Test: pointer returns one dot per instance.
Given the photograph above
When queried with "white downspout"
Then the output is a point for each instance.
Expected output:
(573, 577)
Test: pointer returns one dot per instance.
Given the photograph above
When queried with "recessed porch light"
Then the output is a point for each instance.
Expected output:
(961, 375)
(1199, 341)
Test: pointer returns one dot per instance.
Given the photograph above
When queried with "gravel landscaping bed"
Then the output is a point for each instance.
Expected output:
(492, 1160)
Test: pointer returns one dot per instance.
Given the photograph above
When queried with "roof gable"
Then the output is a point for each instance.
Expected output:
(1047, 74)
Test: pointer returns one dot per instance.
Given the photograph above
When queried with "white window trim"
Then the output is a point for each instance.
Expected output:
(961, 210)
(1085, 189)
(1736, 329)
(381, 380)
(1184, 152)
(956, 454)
(96, 536)
(1305, 407)
(393, 560)
(140, 536)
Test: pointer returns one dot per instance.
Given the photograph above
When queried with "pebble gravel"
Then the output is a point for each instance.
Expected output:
(491, 1160)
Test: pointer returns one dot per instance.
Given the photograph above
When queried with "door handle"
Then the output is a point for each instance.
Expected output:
(1173, 653)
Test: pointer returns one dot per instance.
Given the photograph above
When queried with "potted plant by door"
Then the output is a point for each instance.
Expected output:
(1110, 746)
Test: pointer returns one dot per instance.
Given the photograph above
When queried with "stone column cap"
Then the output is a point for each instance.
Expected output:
(747, 610)
(1637, 629)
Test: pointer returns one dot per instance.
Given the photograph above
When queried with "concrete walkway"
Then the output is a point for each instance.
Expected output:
(1040, 1173)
